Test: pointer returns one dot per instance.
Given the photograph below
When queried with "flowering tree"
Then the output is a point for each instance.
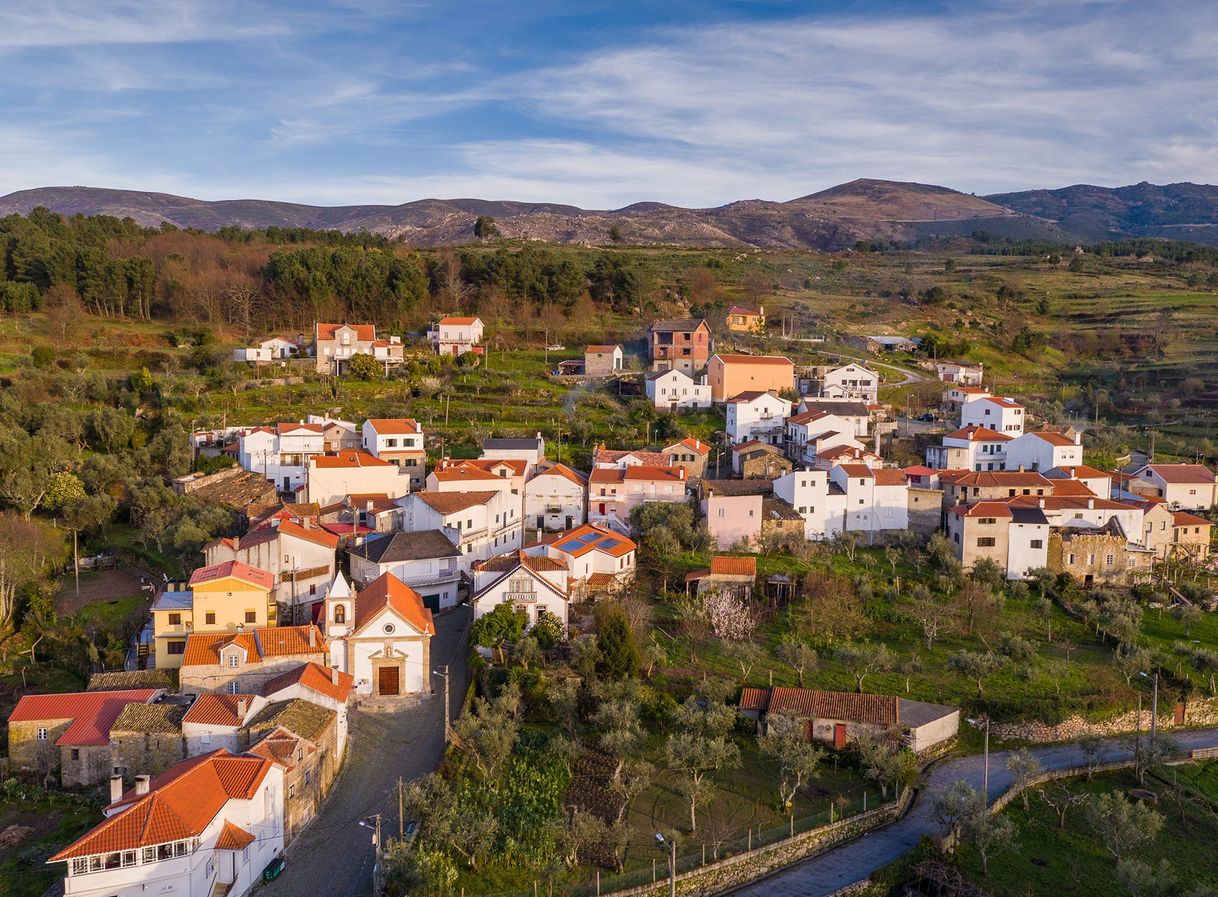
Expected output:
(727, 616)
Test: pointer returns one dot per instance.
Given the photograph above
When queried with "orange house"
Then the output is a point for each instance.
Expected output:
(730, 375)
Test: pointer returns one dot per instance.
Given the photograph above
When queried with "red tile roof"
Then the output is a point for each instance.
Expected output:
(1053, 438)
(180, 804)
(755, 359)
(1183, 518)
(216, 709)
(726, 565)
(457, 320)
(1181, 473)
(647, 472)
(600, 350)
(890, 476)
(857, 470)
(315, 677)
(882, 710)
(994, 478)
(246, 573)
(983, 509)
(562, 470)
(347, 458)
(394, 426)
(203, 648)
(92, 712)
(741, 310)
(621, 545)
(389, 591)
(287, 641)
(290, 428)
(362, 331)
(603, 455)
(233, 837)
(1071, 487)
(974, 433)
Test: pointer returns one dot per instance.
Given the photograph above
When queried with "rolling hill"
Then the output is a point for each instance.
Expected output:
(831, 219)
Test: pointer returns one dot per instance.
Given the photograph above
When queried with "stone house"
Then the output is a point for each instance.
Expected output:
(756, 460)
(147, 739)
(735, 575)
(690, 454)
(240, 662)
(600, 361)
(1097, 554)
(925, 509)
(214, 721)
(69, 733)
(837, 718)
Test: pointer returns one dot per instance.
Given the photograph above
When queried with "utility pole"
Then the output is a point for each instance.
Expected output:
(447, 723)
(672, 867)
(985, 788)
(401, 811)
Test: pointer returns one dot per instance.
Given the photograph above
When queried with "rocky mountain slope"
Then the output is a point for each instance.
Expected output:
(831, 219)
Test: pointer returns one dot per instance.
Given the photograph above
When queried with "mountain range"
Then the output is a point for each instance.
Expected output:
(832, 219)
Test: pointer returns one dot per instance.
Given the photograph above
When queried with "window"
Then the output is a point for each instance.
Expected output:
(128, 857)
(75, 753)
(291, 791)
(1037, 543)
(233, 660)
(340, 613)
(42, 733)
(175, 648)
(251, 616)
(308, 776)
(985, 542)
(210, 618)
(1071, 559)
(232, 687)
(148, 855)
(988, 520)
(175, 619)
(1109, 560)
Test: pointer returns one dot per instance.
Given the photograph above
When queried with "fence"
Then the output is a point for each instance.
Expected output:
(712, 867)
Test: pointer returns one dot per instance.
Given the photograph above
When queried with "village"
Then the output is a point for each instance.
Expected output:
(364, 541)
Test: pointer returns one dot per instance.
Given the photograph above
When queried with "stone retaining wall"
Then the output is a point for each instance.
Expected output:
(715, 878)
(1202, 712)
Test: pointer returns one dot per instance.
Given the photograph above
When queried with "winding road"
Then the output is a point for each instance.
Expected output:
(822, 875)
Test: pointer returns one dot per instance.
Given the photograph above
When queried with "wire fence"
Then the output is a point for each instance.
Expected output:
(694, 853)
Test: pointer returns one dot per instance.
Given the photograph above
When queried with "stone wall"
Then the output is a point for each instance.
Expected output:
(1202, 712)
(146, 753)
(715, 878)
(84, 766)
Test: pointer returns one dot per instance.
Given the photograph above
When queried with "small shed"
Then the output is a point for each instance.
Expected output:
(600, 361)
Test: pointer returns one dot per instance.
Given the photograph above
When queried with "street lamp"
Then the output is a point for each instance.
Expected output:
(985, 787)
(1154, 704)
(447, 725)
(672, 862)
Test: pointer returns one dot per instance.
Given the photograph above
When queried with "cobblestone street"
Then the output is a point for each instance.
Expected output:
(333, 857)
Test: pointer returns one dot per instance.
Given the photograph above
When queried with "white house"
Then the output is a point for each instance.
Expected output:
(821, 504)
(456, 335)
(556, 499)
(381, 636)
(675, 390)
(1044, 450)
(1189, 486)
(966, 373)
(998, 413)
(851, 381)
(614, 493)
(757, 415)
(478, 475)
(276, 348)
(1085, 511)
(481, 524)
(211, 822)
(1099, 482)
(531, 450)
(281, 453)
(852, 410)
(331, 479)
(325, 686)
(876, 499)
(399, 441)
(597, 559)
(425, 560)
(336, 344)
(812, 432)
(301, 557)
(534, 584)
(215, 719)
(970, 448)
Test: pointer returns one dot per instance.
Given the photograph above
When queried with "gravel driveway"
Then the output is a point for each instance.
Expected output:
(333, 856)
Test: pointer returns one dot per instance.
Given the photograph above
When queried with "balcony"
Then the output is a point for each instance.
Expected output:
(520, 597)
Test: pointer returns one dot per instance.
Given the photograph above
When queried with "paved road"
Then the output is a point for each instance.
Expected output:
(853, 862)
(333, 857)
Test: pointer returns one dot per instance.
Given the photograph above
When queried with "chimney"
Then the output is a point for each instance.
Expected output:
(334, 675)
(761, 310)
(681, 472)
(116, 788)
(1021, 468)
(312, 636)
(1091, 503)
(142, 785)
(242, 706)
(1041, 502)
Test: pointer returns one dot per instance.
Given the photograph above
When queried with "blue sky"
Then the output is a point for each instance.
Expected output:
(601, 104)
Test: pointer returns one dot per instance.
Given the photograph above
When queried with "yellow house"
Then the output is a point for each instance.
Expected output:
(745, 320)
(221, 598)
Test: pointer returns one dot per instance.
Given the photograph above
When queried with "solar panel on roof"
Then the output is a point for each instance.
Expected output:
(609, 543)
(570, 545)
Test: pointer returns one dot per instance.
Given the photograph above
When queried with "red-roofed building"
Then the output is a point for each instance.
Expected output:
(735, 575)
(336, 344)
(222, 598)
(614, 493)
(318, 684)
(598, 560)
(331, 479)
(457, 334)
(301, 558)
(970, 448)
(1190, 487)
(555, 499)
(399, 441)
(69, 732)
(534, 584)
(213, 821)
(745, 320)
(731, 375)
(600, 361)
(214, 721)
(877, 498)
(998, 413)
(244, 661)
(380, 636)
(689, 453)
